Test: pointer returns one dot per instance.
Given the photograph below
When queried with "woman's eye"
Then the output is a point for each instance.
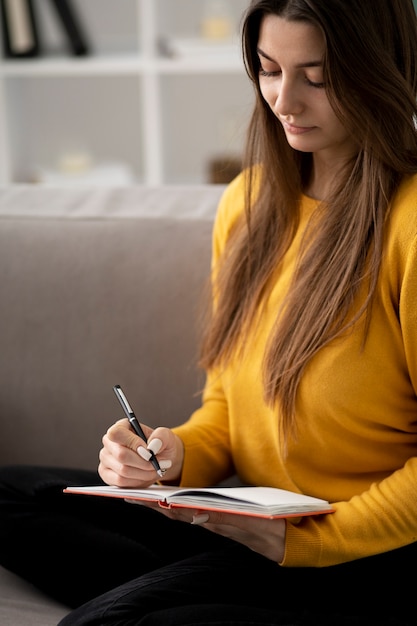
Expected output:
(267, 74)
(317, 85)
(277, 72)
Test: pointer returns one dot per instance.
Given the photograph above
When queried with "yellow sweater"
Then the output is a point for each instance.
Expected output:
(356, 411)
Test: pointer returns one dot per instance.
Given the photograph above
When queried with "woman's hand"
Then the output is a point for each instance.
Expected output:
(265, 536)
(124, 457)
(124, 462)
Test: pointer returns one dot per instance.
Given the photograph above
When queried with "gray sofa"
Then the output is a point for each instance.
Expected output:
(98, 287)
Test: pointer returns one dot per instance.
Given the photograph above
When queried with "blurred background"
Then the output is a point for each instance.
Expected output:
(119, 91)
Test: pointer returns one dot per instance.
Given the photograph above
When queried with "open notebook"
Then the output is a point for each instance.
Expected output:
(258, 501)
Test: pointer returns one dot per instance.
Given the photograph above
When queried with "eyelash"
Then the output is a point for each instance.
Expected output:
(266, 74)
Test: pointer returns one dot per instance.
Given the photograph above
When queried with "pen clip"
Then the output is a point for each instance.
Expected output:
(123, 400)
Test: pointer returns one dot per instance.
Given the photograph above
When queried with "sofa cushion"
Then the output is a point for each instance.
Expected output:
(22, 604)
(98, 287)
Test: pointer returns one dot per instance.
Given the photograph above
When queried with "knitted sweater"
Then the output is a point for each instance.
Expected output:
(356, 410)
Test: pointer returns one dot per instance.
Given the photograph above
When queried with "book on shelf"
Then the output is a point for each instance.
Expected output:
(267, 502)
(19, 29)
(72, 26)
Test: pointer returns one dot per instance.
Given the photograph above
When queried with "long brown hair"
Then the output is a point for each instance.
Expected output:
(371, 81)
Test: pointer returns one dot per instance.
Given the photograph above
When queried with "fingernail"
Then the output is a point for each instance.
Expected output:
(144, 453)
(202, 518)
(155, 445)
(165, 464)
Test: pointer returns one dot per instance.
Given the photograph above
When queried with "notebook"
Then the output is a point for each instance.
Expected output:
(266, 502)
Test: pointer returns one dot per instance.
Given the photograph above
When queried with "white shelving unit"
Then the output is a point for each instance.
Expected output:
(163, 118)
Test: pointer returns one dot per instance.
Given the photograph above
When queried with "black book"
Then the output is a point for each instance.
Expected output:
(73, 29)
(19, 28)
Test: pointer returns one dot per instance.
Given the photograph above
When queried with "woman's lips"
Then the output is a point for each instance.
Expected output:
(297, 130)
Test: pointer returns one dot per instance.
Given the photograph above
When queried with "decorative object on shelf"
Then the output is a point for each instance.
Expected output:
(223, 169)
(217, 23)
(79, 168)
(72, 27)
(20, 29)
(216, 37)
(197, 47)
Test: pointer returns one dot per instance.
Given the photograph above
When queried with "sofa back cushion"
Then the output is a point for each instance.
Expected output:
(98, 287)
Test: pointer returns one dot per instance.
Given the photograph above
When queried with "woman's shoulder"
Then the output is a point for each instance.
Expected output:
(404, 206)
(230, 208)
(401, 233)
(406, 195)
(232, 201)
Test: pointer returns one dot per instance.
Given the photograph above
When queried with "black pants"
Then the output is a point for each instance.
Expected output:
(118, 563)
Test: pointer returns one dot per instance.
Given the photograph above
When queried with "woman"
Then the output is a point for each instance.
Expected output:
(310, 353)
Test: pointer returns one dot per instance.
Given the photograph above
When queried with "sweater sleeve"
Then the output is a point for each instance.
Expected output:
(207, 459)
(379, 520)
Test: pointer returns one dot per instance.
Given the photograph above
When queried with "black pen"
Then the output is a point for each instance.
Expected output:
(135, 425)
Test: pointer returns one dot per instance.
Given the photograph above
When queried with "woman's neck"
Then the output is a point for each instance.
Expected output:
(324, 176)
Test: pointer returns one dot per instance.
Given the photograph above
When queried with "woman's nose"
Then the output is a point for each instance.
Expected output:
(287, 99)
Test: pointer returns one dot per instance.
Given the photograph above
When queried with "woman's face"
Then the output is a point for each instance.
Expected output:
(291, 82)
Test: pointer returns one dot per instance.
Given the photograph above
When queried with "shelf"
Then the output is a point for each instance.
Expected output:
(79, 66)
(121, 65)
(164, 111)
